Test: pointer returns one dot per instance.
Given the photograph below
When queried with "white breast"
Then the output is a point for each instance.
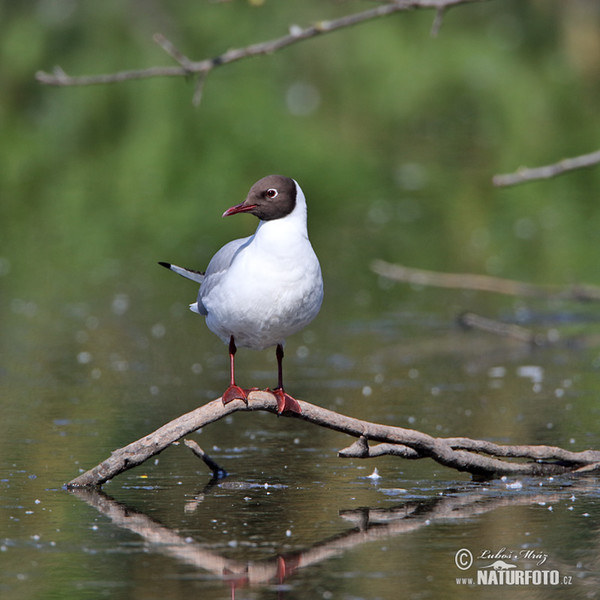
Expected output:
(272, 287)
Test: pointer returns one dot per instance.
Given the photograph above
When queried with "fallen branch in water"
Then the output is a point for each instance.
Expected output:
(296, 34)
(525, 174)
(484, 460)
(483, 283)
(470, 320)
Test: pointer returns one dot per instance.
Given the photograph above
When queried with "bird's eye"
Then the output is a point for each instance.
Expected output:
(272, 193)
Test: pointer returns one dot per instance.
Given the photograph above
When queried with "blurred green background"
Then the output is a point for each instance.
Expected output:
(394, 136)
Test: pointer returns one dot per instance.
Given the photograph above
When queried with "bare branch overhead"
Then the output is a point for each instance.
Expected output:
(296, 34)
(525, 174)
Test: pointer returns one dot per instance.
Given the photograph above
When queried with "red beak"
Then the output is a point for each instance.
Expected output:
(239, 208)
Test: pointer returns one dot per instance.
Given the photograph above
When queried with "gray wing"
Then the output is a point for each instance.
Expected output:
(217, 267)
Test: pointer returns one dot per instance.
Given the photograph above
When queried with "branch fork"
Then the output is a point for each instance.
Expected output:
(482, 459)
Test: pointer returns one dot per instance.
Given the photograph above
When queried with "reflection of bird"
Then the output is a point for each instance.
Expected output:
(258, 290)
(500, 565)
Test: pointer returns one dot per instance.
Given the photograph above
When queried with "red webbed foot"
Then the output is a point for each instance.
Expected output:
(234, 392)
(285, 402)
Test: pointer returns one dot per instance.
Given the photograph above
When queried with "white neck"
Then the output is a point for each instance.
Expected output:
(287, 229)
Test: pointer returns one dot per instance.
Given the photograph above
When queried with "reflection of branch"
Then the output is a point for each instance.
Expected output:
(203, 67)
(524, 174)
(483, 283)
(368, 525)
(175, 545)
(480, 458)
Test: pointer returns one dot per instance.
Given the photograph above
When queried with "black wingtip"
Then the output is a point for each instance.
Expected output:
(166, 265)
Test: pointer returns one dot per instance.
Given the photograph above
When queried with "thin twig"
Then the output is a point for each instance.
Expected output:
(525, 174)
(199, 89)
(484, 283)
(203, 67)
(438, 20)
(217, 471)
(172, 51)
(480, 458)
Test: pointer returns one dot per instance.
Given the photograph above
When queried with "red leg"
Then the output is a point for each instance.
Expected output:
(285, 567)
(285, 402)
(233, 392)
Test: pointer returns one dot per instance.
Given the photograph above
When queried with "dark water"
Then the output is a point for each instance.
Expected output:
(292, 520)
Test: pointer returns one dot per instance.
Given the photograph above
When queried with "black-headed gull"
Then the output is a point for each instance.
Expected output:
(260, 289)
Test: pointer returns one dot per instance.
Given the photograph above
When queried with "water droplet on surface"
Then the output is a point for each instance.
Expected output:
(374, 475)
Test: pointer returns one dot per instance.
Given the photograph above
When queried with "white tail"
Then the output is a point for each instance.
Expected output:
(196, 276)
